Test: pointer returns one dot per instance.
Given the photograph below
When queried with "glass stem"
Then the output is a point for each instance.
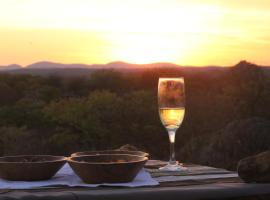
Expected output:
(171, 134)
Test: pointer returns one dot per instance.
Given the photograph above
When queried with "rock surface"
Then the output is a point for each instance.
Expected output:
(255, 168)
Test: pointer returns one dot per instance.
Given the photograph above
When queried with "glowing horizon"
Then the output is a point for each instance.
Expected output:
(135, 31)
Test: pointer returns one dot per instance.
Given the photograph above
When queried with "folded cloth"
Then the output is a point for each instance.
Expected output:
(66, 177)
(193, 170)
(195, 178)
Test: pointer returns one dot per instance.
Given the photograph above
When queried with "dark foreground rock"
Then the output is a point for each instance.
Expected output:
(255, 168)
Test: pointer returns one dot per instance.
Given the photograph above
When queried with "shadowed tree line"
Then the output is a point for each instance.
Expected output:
(227, 113)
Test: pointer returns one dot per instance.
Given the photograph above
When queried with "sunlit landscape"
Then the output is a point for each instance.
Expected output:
(90, 91)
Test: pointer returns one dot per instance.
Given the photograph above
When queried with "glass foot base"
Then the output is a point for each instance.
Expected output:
(173, 168)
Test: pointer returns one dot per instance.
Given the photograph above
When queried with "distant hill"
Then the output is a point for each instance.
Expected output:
(46, 68)
(124, 65)
(52, 65)
(115, 65)
(10, 67)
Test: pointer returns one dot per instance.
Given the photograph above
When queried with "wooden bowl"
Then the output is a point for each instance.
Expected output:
(110, 168)
(30, 167)
(84, 153)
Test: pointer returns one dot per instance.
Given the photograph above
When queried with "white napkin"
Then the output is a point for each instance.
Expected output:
(66, 177)
(195, 178)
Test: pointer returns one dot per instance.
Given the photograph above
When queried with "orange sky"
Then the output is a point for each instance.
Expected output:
(194, 32)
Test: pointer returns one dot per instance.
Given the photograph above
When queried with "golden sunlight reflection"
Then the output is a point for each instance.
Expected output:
(172, 117)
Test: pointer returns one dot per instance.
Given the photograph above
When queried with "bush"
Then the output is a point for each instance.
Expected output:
(237, 140)
(60, 115)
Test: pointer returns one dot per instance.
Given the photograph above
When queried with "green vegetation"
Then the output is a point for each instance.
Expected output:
(227, 116)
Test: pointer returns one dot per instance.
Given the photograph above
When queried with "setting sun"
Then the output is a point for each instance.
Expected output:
(146, 48)
(188, 33)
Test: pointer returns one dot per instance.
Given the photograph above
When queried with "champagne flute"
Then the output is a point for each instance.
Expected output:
(171, 103)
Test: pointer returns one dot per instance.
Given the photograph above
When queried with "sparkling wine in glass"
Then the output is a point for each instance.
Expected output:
(171, 102)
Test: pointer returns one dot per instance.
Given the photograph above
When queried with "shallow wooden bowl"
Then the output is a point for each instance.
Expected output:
(136, 153)
(30, 167)
(112, 168)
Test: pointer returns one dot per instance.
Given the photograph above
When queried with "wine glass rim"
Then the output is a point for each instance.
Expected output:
(171, 78)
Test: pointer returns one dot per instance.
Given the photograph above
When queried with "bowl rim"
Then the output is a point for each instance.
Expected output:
(61, 159)
(70, 159)
(100, 152)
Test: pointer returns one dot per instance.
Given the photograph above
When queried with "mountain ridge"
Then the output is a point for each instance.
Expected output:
(10, 67)
(114, 65)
